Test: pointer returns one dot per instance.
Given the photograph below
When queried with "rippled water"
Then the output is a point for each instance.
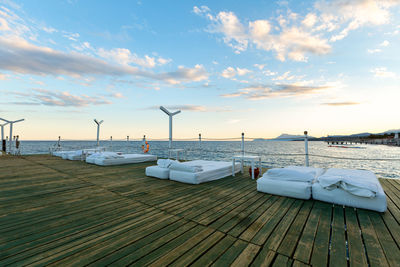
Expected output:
(274, 154)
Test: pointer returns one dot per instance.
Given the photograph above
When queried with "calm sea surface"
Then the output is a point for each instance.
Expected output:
(274, 154)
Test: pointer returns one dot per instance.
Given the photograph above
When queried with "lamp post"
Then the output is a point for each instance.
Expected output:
(306, 147)
(170, 114)
(98, 129)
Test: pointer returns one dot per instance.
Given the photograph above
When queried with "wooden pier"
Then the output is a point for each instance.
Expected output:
(58, 212)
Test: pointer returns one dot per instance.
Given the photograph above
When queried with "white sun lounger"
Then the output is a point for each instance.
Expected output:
(206, 171)
(124, 159)
(157, 172)
(161, 170)
(61, 153)
(291, 181)
(80, 154)
(353, 188)
(91, 158)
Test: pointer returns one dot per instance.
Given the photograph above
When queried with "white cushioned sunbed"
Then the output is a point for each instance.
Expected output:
(161, 170)
(157, 172)
(80, 154)
(61, 153)
(124, 159)
(291, 181)
(354, 188)
(91, 158)
(207, 171)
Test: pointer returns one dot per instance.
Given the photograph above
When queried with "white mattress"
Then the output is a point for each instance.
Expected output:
(342, 197)
(293, 189)
(294, 173)
(212, 170)
(103, 154)
(157, 172)
(60, 153)
(126, 159)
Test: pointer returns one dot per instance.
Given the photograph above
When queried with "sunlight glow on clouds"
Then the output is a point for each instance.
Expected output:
(58, 98)
(382, 72)
(294, 39)
(230, 72)
(259, 92)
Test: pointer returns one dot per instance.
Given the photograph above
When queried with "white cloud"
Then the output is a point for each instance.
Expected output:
(292, 38)
(71, 36)
(4, 25)
(234, 32)
(292, 42)
(18, 55)
(373, 51)
(230, 72)
(194, 108)
(200, 10)
(163, 61)
(242, 72)
(344, 103)
(124, 56)
(61, 99)
(182, 74)
(385, 43)
(3, 76)
(353, 14)
(259, 66)
(259, 92)
(49, 30)
(269, 73)
(117, 95)
(382, 72)
(310, 20)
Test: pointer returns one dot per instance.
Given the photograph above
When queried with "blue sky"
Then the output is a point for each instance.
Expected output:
(262, 67)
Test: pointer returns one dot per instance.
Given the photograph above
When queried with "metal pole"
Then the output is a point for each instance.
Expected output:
(170, 132)
(242, 144)
(2, 137)
(200, 140)
(3, 148)
(306, 147)
(10, 144)
(98, 134)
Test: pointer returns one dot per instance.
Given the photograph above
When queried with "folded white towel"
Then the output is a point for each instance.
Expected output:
(165, 163)
(357, 182)
(294, 173)
(177, 166)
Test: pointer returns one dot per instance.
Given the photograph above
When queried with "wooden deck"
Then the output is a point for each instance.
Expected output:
(58, 212)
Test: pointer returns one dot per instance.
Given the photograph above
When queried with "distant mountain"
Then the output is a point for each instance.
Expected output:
(360, 135)
(291, 137)
(285, 137)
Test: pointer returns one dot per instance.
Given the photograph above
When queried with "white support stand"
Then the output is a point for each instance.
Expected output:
(242, 150)
(306, 147)
(2, 135)
(98, 130)
(170, 114)
(11, 129)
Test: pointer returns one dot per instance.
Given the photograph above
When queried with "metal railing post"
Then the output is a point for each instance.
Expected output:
(242, 144)
(306, 147)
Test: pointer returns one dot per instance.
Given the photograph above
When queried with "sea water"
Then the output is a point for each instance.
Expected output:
(382, 160)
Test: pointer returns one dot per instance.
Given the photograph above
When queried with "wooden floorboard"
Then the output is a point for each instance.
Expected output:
(59, 212)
